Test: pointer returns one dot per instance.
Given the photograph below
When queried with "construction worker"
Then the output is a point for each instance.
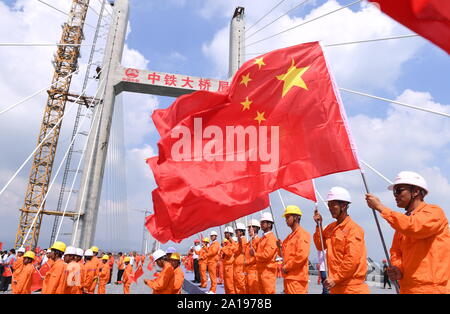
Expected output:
(346, 249)
(212, 259)
(120, 268)
(127, 278)
(265, 255)
(79, 259)
(169, 251)
(239, 259)
(164, 283)
(295, 250)
(252, 283)
(104, 275)
(228, 260)
(54, 281)
(195, 250)
(420, 252)
(74, 285)
(17, 265)
(22, 280)
(90, 273)
(203, 262)
(95, 258)
(175, 260)
(111, 265)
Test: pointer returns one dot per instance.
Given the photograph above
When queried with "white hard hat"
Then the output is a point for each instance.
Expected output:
(158, 254)
(409, 177)
(70, 250)
(88, 253)
(266, 216)
(79, 252)
(49, 251)
(338, 193)
(240, 226)
(235, 239)
(213, 233)
(21, 250)
(254, 223)
(170, 250)
(229, 229)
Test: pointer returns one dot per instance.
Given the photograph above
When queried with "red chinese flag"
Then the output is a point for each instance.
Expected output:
(428, 18)
(1, 246)
(304, 189)
(36, 281)
(150, 266)
(138, 273)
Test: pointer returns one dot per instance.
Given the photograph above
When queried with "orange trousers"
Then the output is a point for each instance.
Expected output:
(352, 289)
(267, 278)
(126, 288)
(295, 286)
(252, 284)
(212, 270)
(219, 273)
(239, 279)
(101, 288)
(228, 279)
(203, 279)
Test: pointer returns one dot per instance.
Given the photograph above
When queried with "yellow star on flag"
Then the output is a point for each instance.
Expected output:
(260, 117)
(259, 62)
(245, 79)
(246, 104)
(293, 77)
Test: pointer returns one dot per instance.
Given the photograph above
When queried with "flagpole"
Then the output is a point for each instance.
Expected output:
(319, 225)
(379, 230)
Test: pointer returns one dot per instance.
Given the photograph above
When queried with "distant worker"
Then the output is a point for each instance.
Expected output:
(74, 284)
(295, 250)
(17, 265)
(104, 275)
(385, 275)
(345, 245)
(266, 254)
(228, 261)
(23, 279)
(175, 260)
(420, 252)
(203, 263)
(252, 283)
(164, 283)
(90, 273)
(239, 277)
(54, 281)
(120, 268)
(127, 277)
(195, 250)
(212, 260)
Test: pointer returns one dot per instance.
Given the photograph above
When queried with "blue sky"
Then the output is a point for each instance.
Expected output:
(191, 37)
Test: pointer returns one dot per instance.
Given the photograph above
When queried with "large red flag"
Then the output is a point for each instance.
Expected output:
(428, 18)
(304, 189)
(138, 273)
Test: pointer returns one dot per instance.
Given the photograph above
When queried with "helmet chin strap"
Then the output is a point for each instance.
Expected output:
(410, 201)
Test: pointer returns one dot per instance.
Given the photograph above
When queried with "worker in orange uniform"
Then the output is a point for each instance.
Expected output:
(127, 278)
(79, 259)
(104, 275)
(175, 260)
(295, 250)
(91, 271)
(239, 276)
(23, 279)
(120, 268)
(345, 245)
(74, 285)
(203, 262)
(111, 265)
(228, 260)
(420, 252)
(54, 281)
(251, 283)
(265, 255)
(17, 265)
(220, 265)
(95, 258)
(212, 260)
(164, 283)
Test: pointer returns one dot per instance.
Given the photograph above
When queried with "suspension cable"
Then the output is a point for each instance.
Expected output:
(376, 171)
(270, 11)
(41, 45)
(60, 11)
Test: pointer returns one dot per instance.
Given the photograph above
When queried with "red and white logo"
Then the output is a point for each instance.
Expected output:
(132, 73)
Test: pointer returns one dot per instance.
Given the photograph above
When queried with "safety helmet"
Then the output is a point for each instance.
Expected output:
(158, 254)
(254, 223)
(213, 233)
(127, 259)
(60, 246)
(48, 251)
(292, 210)
(170, 250)
(94, 249)
(240, 226)
(229, 229)
(79, 252)
(29, 254)
(266, 216)
(106, 257)
(21, 250)
(88, 253)
(206, 240)
(196, 241)
(70, 250)
(175, 256)
(411, 178)
(338, 193)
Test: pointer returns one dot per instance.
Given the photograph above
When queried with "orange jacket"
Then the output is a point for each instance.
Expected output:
(17, 264)
(346, 252)
(127, 275)
(250, 261)
(22, 280)
(111, 262)
(295, 255)
(266, 252)
(74, 281)
(203, 255)
(421, 248)
(239, 252)
(90, 276)
(178, 280)
(213, 252)
(96, 261)
(104, 274)
(55, 279)
(228, 253)
(164, 283)
(120, 263)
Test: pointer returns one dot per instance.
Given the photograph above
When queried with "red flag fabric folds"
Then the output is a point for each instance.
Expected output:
(138, 273)
(428, 18)
(304, 189)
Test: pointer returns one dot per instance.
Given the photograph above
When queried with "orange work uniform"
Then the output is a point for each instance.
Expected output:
(346, 256)
(295, 261)
(178, 280)
(252, 283)
(127, 278)
(90, 276)
(23, 279)
(228, 260)
(103, 278)
(212, 259)
(421, 249)
(164, 283)
(266, 265)
(238, 267)
(55, 279)
(203, 264)
(74, 284)
(17, 267)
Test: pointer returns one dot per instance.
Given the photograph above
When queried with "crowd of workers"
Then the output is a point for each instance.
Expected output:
(420, 254)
